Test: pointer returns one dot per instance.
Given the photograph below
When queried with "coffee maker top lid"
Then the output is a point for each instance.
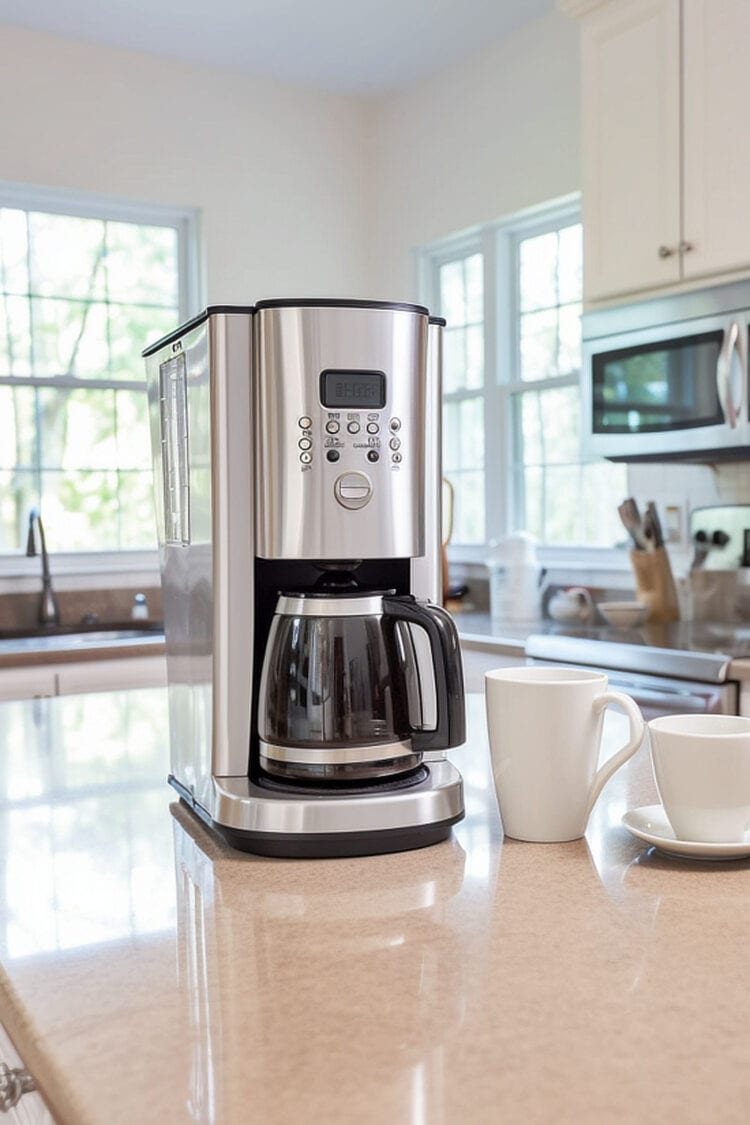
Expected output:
(338, 303)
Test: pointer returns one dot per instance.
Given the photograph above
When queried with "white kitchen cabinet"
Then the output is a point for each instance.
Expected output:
(716, 155)
(631, 146)
(37, 681)
(477, 661)
(110, 675)
(665, 85)
(30, 1109)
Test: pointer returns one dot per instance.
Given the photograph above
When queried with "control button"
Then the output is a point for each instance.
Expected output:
(373, 455)
(373, 428)
(396, 458)
(332, 427)
(305, 443)
(333, 454)
(305, 458)
(395, 443)
(352, 490)
(305, 423)
(395, 424)
(353, 427)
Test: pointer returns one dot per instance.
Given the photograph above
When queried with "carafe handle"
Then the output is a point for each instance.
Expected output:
(450, 729)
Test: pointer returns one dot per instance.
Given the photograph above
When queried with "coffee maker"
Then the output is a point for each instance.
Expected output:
(315, 684)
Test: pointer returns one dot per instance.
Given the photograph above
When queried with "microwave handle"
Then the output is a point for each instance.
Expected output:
(724, 374)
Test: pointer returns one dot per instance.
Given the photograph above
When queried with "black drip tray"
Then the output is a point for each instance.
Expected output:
(344, 789)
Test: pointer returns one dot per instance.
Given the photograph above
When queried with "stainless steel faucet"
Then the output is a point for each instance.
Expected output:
(49, 613)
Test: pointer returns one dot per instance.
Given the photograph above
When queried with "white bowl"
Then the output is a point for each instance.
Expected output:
(624, 615)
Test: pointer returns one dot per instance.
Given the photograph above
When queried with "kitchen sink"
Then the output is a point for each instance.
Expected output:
(98, 632)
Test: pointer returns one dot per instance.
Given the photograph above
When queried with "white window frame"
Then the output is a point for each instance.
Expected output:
(89, 569)
(498, 243)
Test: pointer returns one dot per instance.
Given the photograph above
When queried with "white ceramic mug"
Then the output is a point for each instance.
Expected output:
(702, 770)
(545, 727)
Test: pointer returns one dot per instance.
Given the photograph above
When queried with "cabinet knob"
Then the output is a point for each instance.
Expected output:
(686, 247)
(666, 251)
(14, 1083)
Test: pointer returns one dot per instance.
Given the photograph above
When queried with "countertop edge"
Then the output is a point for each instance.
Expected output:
(122, 650)
(51, 1081)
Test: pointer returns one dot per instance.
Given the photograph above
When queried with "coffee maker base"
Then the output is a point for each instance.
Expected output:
(252, 819)
(335, 845)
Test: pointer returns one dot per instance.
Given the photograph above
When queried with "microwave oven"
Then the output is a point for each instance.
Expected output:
(667, 379)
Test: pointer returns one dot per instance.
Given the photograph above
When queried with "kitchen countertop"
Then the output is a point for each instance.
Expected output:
(150, 974)
(97, 644)
(479, 630)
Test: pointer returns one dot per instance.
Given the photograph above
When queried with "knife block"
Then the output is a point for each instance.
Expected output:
(654, 585)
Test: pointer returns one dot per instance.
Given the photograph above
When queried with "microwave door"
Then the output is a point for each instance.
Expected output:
(669, 391)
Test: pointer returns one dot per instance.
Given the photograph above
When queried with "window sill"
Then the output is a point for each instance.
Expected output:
(586, 558)
(607, 567)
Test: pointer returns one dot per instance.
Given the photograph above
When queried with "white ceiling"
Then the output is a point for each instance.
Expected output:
(352, 46)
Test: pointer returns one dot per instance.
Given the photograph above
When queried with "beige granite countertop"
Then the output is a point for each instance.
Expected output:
(149, 974)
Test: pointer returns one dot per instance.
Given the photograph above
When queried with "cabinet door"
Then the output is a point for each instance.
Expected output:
(111, 675)
(30, 1110)
(716, 86)
(477, 661)
(631, 146)
(33, 681)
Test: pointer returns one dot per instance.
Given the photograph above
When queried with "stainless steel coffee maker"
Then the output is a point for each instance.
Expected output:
(315, 684)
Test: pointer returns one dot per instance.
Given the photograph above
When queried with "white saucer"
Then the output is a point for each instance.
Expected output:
(650, 824)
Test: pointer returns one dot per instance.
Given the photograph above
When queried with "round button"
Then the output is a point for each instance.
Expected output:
(373, 428)
(305, 458)
(353, 427)
(395, 423)
(395, 443)
(333, 454)
(305, 443)
(373, 455)
(332, 427)
(305, 423)
(396, 458)
(352, 490)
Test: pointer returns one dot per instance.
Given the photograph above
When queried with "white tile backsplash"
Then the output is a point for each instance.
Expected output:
(690, 486)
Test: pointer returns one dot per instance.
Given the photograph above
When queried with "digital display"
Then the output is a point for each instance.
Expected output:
(341, 390)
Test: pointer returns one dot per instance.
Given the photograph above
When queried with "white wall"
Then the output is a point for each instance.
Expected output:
(479, 141)
(277, 172)
(300, 191)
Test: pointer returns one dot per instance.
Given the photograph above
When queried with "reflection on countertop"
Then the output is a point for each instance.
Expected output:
(150, 973)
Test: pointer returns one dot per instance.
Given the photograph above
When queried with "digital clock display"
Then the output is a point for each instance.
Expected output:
(363, 390)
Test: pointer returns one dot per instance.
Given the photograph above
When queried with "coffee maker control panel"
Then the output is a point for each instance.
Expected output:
(340, 474)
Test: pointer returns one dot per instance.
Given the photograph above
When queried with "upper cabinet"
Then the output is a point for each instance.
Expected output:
(664, 90)
(716, 155)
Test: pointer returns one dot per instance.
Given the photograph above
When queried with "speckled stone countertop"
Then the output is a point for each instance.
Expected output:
(149, 974)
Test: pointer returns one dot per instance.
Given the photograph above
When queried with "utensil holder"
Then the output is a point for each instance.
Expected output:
(654, 584)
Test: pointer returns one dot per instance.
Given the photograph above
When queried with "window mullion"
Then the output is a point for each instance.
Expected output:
(494, 415)
(519, 386)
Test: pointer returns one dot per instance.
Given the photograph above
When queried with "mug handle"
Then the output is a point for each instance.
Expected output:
(637, 731)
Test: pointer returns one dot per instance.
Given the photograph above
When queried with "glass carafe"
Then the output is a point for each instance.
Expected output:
(335, 688)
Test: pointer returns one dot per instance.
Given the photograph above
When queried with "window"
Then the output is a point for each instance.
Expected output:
(511, 296)
(84, 286)
(462, 304)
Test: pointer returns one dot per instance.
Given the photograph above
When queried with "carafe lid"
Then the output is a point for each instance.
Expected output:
(317, 603)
